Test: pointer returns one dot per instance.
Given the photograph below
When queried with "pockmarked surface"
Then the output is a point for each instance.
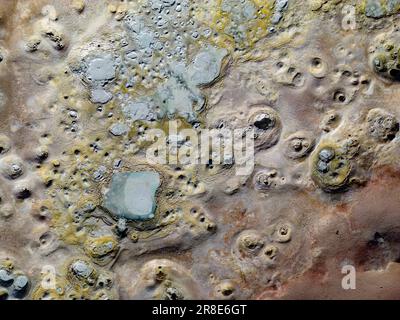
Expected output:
(111, 189)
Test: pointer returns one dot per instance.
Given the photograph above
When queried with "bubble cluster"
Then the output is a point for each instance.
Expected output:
(14, 284)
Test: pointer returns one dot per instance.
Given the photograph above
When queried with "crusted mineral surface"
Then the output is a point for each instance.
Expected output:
(88, 88)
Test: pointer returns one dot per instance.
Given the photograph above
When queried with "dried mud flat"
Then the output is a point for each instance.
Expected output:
(84, 215)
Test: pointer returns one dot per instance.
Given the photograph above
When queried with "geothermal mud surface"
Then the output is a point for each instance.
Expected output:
(84, 214)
